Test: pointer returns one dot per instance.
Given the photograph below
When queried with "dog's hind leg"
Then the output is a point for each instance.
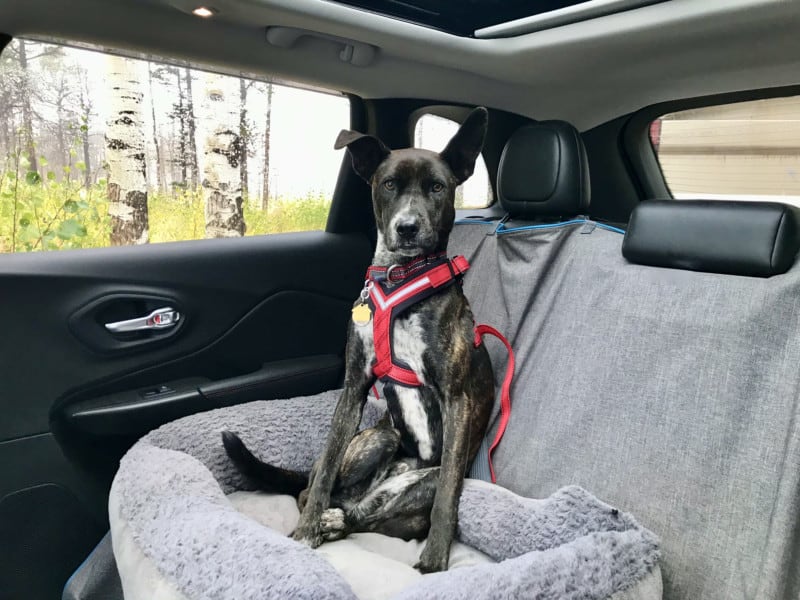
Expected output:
(399, 506)
(365, 464)
(369, 453)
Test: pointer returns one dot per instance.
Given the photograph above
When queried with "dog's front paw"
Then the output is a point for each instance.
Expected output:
(309, 534)
(333, 524)
(433, 559)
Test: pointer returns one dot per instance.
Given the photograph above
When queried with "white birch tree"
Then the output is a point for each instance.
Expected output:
(191, 132)
(127, 174)
(161, 179)
(265, 191)
(245, 133)
(222, 187)
(86, 110)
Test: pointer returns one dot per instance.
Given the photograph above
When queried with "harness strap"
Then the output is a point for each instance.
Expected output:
(387, 304)
(505, 391)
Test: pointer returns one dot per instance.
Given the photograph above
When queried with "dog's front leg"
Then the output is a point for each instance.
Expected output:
(345, 422)
(444, 514)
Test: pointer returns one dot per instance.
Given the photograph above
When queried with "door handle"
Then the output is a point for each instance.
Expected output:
(161, 318)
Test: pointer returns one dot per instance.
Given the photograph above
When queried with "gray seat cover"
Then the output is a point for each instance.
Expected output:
(673, 394)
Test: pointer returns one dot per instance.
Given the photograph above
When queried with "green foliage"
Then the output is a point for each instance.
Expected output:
(44, 214)
(283, 215)
(40, 214)
(182, 217)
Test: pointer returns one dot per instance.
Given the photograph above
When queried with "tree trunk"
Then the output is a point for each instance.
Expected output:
(183, 159)
(243, 135)
(191, 131)
(87, 174)
(418, 143)
(160, 177)
(63, 155)
(86, 115)
(174, 164)
(127, 175)
(223, 152)
(267, 133)
(4, 149)
(27, 111)
(459, 199)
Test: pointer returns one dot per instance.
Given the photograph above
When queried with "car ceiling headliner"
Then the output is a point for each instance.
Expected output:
(587, 72)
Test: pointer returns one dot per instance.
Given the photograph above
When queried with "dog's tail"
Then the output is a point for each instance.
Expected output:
(270, 478)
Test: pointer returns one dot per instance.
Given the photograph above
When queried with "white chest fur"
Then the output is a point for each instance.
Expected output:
(415, 419)
(408, 346)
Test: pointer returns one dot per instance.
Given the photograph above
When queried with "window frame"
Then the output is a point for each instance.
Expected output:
(457, 114)
(638, 149)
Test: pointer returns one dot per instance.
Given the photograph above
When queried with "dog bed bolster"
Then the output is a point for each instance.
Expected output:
(169, 512)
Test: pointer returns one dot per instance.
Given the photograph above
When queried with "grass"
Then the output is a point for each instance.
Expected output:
(43, 214)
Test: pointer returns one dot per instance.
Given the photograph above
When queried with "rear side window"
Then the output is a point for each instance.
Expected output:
(745, 151)
(101, 150)
(432, 133)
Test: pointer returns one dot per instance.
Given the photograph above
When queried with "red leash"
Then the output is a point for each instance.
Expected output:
(505, 391)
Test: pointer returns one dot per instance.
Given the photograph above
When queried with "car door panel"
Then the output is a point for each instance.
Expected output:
(289, 295)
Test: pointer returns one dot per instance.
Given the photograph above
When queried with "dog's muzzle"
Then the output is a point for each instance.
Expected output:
(407, 229)
(410, 234)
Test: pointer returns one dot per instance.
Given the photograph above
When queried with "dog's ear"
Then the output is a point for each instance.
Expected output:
(367, 152)
(462, 151)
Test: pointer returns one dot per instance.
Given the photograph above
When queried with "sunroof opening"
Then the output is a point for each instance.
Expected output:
(493, 18)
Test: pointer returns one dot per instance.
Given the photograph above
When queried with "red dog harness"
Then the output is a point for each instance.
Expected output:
(420, 279)
(427, 276)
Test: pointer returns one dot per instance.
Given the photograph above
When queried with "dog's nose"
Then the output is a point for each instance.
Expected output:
(407, 228)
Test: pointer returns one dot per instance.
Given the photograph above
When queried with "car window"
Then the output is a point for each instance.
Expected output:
(100, 150)
(745, 151)
(432, 133)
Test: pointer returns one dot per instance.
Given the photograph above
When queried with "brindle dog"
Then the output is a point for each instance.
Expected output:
(404, 476)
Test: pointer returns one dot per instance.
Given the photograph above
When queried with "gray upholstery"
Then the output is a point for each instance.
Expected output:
(544, 172)
(673, 394)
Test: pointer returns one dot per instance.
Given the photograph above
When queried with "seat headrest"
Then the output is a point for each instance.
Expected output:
(739, 238)
(544, 172)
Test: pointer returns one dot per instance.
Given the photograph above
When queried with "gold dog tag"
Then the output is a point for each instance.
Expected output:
(362, 315)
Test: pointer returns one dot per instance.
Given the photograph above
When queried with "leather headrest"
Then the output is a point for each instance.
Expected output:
(739, 238)
(544, 172)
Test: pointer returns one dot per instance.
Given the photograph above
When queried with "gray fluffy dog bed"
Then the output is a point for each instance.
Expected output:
(183, 526)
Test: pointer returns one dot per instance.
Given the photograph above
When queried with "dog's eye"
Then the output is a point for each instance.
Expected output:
(437, 187)
(389, 184)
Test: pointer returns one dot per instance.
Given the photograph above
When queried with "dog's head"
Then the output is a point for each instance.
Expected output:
(413, 190)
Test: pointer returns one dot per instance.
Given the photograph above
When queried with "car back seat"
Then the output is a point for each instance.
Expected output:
(672, 393)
